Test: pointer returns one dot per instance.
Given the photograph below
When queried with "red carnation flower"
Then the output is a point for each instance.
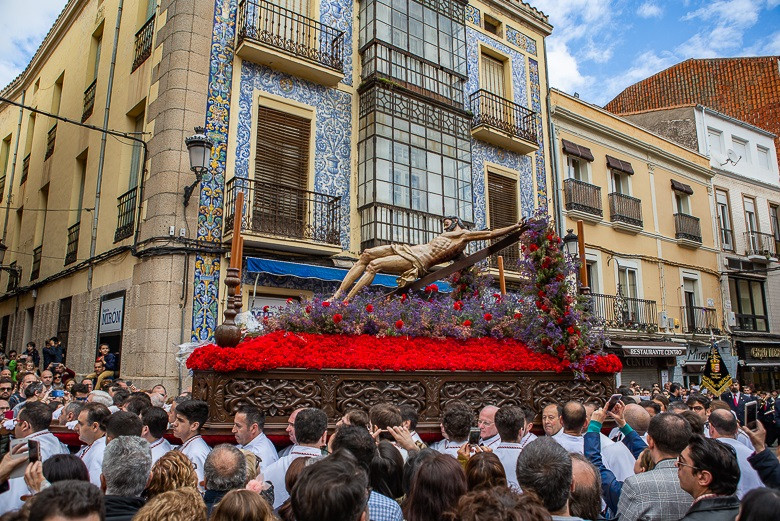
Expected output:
(559, 277)
(265, 309)
(571, 330)
(458, 305)
(431, 288)
(337, 318)
(399, 323)
(467, 323)
(370, 308)
(308, 309)
(560, 321)
(539, 305)
(518, 315)
(541, 294)
(545, 308)
(326, 304)
(488, 317)
(533, 247)
(404, 297)
(496, 295)
(289, 300)
(551, 237)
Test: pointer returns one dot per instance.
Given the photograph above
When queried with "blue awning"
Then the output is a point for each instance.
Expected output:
(312, 271)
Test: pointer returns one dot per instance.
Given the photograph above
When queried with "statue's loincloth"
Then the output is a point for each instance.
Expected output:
(414, 273)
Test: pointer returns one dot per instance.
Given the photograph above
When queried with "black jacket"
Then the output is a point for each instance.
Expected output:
(120, 508)
(767, 466)
(739, 408)
(212, 497)
(721, 508)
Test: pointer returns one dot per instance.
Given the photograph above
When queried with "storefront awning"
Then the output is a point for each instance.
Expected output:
(312, 271)
(650, 348)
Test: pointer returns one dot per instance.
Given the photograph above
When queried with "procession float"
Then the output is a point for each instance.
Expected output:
(417, 345)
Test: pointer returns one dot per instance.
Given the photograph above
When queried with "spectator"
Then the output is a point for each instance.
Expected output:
(656, 494)
(678, 406)
(119, 396)
(585, 497)
(720, 405)
(47, 379)
(544, 468)
(760, 504)
(52, 352)
(456, 422)
(385, 473)
(334, 489)
(699, 404)
(155, 423)
(290, 430)
(176, 401)
(126, 468)
(68, 501)
(500, 504)
(181, 504)
(662, 401)
(412, 464)
(724, 427)
(651, 407)
(123, 423)
(80, 392)
(697, 425)
(248, 426)
(355, 417)
(310, 431)
(100, 397)
(161, 390)
(674, 393)
(32, 393)
(736, 401)
(242, 505)
(510, 424)
(70, 414)
(91, 432)
(190, 417)
(709, 472)
(6, 388)
(488, 431)
(89, 383)
(530, 416)
(382, 416)
(296, 467)
(172, 471)
(63, 467)
(409, 418)
(436, 488)
(18, 397)
(484, 470)
(225, 470)
(551, 419)
(32, 354)
(105, 365)
(136, 405)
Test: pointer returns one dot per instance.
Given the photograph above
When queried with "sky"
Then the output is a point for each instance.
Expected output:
(597, 48)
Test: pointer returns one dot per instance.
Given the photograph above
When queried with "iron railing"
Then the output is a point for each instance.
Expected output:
(143, 43)
(494, 111)
(625, 208)
(51, 138)
(35, 271)
(696, 319)
(125, 215)
(73, 243)
(25, 169)
(89, 101)
(284, 211)
(687, 227)
(582, 196)
(619, 312)
(291, 32)
(757, 243)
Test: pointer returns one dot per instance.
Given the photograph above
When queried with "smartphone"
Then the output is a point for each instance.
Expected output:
(613, 400)
(474, 436)
(57, 393)
(751, 415)
(33, 450)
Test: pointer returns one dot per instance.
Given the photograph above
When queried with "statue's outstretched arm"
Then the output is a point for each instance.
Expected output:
(492, 234)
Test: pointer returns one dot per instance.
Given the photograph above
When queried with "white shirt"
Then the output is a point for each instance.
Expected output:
(616, 456)
(160, 448)
(92, 456)
(528, 438)
(262, 447)
(492, 442)
(275, 472)
(446, 446)
(197, 450)
(508, 454)
(748, 478)
(741, 437)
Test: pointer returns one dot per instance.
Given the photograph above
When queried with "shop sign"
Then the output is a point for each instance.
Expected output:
(765, 352)
(653, 351)
(111, 312)
(640, 362)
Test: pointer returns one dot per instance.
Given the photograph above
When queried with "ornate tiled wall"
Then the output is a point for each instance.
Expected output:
(536, 105)
(521, 40)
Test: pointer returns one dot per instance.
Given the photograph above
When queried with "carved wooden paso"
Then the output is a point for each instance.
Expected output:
(228, 334)
(281, 391)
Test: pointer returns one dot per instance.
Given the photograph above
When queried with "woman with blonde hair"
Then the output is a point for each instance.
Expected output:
(242, 505)
(172, 471)
(182, 504)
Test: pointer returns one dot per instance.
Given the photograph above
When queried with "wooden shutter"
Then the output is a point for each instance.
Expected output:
(502, 199)
(493, 75)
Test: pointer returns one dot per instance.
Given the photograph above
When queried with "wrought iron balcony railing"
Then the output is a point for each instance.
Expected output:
(51, 138)
(89, 101)
(764, 244)
(143, 43)
(284, 211)
(619, 312)
(25, 169)
(582, 196)
(73, 243)
(35, 271)
(125, 215)
(687, 227)
(624, 208)
(494, 111)
(696, 319)
(291, 32)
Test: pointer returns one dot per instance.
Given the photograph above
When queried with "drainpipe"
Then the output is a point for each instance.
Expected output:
(103, 138)
(13, 169)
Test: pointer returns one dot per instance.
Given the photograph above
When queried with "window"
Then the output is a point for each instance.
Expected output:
(576, 169)
(724, 220)
(715, 138)
(503, 211)
(492, 25)
(774, 219)
(751, 224)
(763, 157)
(620, 183)
(63, 325)
(591, 266)
(741, 148)
(748, 301)
(297, 6)
(493, 79)
(627, 279)
(136, 168)
(682, 203)
(5, 152)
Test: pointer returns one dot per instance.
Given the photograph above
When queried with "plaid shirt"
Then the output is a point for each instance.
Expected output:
(382, 508)
(654, 495)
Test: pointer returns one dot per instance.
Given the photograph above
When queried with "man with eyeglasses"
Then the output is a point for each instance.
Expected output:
(487, 427)
(6, 387)
(709, 472)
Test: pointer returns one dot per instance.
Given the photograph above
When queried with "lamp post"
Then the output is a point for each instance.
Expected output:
(199, 147)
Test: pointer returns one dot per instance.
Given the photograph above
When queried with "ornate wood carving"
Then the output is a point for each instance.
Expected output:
(362, 394)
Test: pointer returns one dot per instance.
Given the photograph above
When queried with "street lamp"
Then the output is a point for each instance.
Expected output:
(199, 147)
(571, 244)
(15, 271)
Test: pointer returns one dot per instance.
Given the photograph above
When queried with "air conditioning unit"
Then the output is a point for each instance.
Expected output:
(731, 319)
(663, 320)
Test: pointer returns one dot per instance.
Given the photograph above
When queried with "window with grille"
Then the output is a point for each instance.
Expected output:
(493, 75)
(724, 220)
(503, 211)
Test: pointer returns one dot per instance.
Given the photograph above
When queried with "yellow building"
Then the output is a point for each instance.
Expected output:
(649, 237)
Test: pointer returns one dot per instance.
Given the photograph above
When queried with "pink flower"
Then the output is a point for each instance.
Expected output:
(337, 318)
(256, 486)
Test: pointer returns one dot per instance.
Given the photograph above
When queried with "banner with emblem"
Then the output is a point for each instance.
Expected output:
(716, 377)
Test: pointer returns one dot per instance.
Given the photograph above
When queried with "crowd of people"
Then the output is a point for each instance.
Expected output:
(675, 454)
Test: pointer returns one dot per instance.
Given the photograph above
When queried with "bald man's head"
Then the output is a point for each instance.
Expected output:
(573, 417)
(487, 422)
(637, 417)
(725, 423)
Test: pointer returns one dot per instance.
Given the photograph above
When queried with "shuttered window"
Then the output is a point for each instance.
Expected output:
(493, 75)
(502, 198)
(299, 6)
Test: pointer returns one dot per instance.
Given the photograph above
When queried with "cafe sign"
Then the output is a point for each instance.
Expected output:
(765, 352)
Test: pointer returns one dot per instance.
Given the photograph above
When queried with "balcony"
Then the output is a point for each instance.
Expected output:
(625, 212)
(760, 247)
(687, 230)
(699, 320)
(500, 122)
(35, 271)
(73, 243)
(89, 101)
(125, 215)
(619, 312)
(51, 138)
(285, 218)
(143, 43)
(287, 41)
(14, 275)
(583, 200)
(25, 169)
